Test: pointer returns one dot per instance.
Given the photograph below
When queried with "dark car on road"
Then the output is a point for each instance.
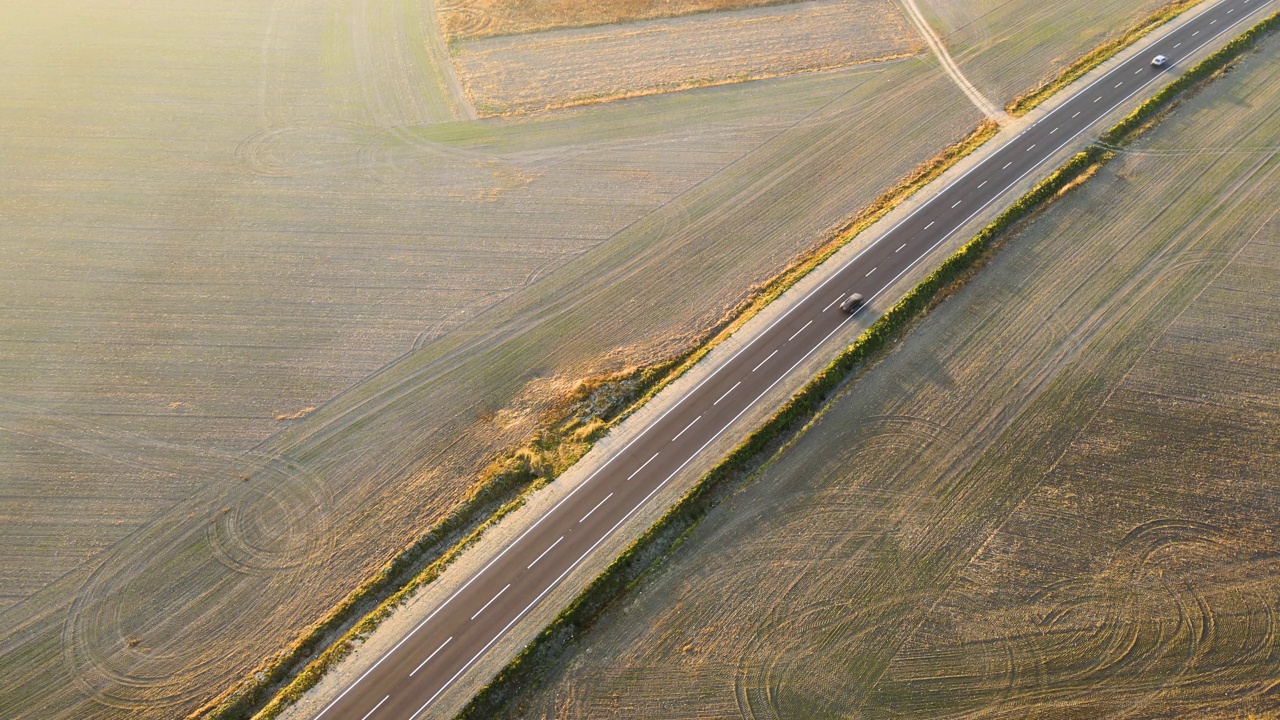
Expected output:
(852, 303)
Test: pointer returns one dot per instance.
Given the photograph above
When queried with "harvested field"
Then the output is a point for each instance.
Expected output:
(487, 18)
(1055, 498)
(1006, 48)
(214, 219)
(596, 64)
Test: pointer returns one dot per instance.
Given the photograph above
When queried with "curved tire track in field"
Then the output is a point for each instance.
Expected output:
(801, 659)
(135, 635)
(1179, 603)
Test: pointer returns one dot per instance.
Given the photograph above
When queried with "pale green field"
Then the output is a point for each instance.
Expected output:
(1006, 48)
(1055, 498)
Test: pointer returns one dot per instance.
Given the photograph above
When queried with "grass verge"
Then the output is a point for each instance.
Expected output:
(530, 667)
(1025, 102)
(565, 436)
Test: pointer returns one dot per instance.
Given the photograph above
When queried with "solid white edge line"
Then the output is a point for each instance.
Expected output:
(375, 707)
(686, 427)
(646, 462)
(803, 300)
(433, 654)
(762, 362)
(543, 554)
(495, 597)
(597, 507)
(793, 337)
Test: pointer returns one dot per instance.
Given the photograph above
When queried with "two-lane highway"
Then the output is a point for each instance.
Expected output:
(405, 681)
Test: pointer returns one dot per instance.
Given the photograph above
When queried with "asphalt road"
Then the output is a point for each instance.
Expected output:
(405, 682)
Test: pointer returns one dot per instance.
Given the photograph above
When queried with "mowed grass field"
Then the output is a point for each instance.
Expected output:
(1055, 498)
(272, 301)
(1007, 48)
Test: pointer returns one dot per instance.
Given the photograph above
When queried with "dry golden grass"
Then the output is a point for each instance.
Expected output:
(488, 18)
(564, 68)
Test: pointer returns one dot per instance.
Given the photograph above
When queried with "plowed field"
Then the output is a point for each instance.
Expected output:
(1056, 498)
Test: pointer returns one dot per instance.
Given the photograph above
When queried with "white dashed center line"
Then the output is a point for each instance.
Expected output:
(686, 427)
(606, 497)
(931, 222)
(984, 182)
(953, 207)
(1006, 165)
(1195, 33)
(1119, 83)
(375, 707)
(735, 387)
(424, 662)
(535, 560)
(1053, 131)
(646, 462)
(871, 271)
(900, 249)
(828, 307)
(1175, 47)
(793, 337)
(1033, 147)
(1097, 98)
(1077, 113)
(775, 352)
(495, 597)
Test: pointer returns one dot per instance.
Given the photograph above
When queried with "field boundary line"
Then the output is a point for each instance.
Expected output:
(529, 668)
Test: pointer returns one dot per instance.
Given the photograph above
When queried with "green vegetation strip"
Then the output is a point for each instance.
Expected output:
(504, 486)
(533, 663)
(1024, 103)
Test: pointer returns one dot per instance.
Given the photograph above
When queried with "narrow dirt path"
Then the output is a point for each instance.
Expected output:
(987, 107)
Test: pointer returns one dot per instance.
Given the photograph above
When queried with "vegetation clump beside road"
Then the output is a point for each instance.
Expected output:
(529, 668)
(1024, 103)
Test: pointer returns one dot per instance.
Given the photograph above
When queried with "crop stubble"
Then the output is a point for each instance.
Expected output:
(1057, 497)
(581, 65)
